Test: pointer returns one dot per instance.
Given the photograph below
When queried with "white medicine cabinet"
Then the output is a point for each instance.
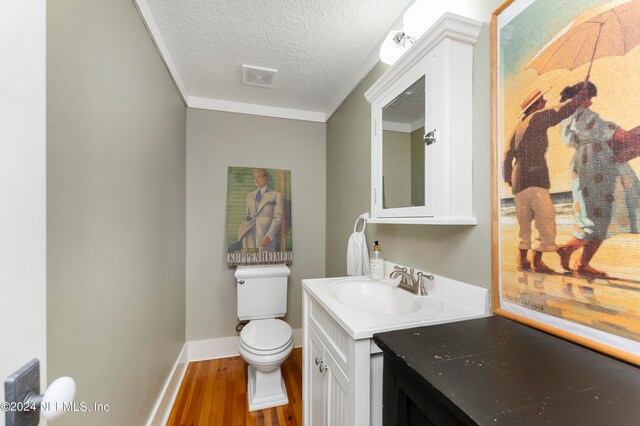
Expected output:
(421, 130)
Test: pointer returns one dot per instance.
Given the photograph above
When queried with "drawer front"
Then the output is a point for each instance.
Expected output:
(333, 336)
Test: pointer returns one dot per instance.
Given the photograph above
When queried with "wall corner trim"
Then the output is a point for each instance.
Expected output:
(152, 27)
(161, 411)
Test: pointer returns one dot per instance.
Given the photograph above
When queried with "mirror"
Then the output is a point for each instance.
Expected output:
(403, 148)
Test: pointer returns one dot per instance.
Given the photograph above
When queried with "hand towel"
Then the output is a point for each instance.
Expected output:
(357, 255)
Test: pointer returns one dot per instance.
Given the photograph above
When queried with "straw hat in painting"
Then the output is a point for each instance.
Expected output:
(530, 100)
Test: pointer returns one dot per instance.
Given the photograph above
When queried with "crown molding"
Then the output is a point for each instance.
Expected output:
(371, 61)
(254, 109)
(154, 31)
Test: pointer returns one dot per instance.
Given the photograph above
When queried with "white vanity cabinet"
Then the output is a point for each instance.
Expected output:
(335, 371)
(329, 385)
(342, 367)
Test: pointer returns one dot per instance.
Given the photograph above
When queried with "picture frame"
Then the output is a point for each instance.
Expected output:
(565, 189)
(259, 224)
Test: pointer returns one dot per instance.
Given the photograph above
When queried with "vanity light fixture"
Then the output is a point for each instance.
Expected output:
(394, 46)
(399, 41)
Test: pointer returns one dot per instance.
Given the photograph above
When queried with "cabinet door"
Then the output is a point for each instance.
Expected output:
(317, 383)
(337, 401)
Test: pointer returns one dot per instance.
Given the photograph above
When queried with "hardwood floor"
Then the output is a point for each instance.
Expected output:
(215, 393)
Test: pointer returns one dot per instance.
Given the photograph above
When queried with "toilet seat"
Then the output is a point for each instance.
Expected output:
(266, 337)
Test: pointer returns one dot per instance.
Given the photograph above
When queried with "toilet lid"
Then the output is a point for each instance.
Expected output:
(266, 334)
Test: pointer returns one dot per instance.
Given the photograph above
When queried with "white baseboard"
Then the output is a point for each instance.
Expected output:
(197, 350)
(162, 410)
(297, 338)
(224, 347)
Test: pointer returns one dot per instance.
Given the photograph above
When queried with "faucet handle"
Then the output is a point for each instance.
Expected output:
(430, 277)
(397, 268)
(422, 291)
(427, 276)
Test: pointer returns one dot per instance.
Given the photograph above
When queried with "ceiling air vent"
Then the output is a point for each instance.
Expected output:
(257, 76)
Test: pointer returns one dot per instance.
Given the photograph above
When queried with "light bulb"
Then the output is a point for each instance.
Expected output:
(391, 51)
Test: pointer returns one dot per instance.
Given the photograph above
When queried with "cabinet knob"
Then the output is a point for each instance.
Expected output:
(323, 367)
(430, 137)
(319, 361)
(241, 282)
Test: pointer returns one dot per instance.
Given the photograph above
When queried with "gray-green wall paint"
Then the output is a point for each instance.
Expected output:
(460, 252)
(116, 158)
(349, 166)
(215, 141)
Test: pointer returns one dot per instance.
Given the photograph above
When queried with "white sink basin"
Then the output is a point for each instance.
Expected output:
(341, 315)
(363, 306)
(378, 297)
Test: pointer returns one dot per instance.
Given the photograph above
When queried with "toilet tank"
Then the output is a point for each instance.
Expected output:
(262, 291)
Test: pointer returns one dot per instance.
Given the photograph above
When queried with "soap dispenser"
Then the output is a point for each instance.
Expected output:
(376, 263)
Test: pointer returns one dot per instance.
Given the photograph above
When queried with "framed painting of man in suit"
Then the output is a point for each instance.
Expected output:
(258, 216)
(566, 147)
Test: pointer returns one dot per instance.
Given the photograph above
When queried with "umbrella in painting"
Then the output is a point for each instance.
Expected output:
(611, 29)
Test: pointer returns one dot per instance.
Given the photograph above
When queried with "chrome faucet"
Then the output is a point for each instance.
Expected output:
(408, 282)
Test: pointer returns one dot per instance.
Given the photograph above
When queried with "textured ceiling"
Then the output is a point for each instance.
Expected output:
(320, 48)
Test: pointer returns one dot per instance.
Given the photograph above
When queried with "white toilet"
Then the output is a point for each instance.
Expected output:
(265, 342)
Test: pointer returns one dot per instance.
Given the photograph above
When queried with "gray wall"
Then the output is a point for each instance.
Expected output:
(116, 156)
(215, 141)
(349, 182)
(460, 252)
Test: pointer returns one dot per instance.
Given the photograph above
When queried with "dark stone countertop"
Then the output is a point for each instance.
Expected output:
(495, 371)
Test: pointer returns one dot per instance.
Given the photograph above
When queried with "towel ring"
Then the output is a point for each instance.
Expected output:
(362, 217)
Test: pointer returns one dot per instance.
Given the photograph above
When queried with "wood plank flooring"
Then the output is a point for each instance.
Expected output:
(214, 393)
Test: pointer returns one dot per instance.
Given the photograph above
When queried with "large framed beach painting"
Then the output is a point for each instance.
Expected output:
(566, 194)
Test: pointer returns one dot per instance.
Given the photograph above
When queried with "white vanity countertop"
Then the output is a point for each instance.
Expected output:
(449, 300)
